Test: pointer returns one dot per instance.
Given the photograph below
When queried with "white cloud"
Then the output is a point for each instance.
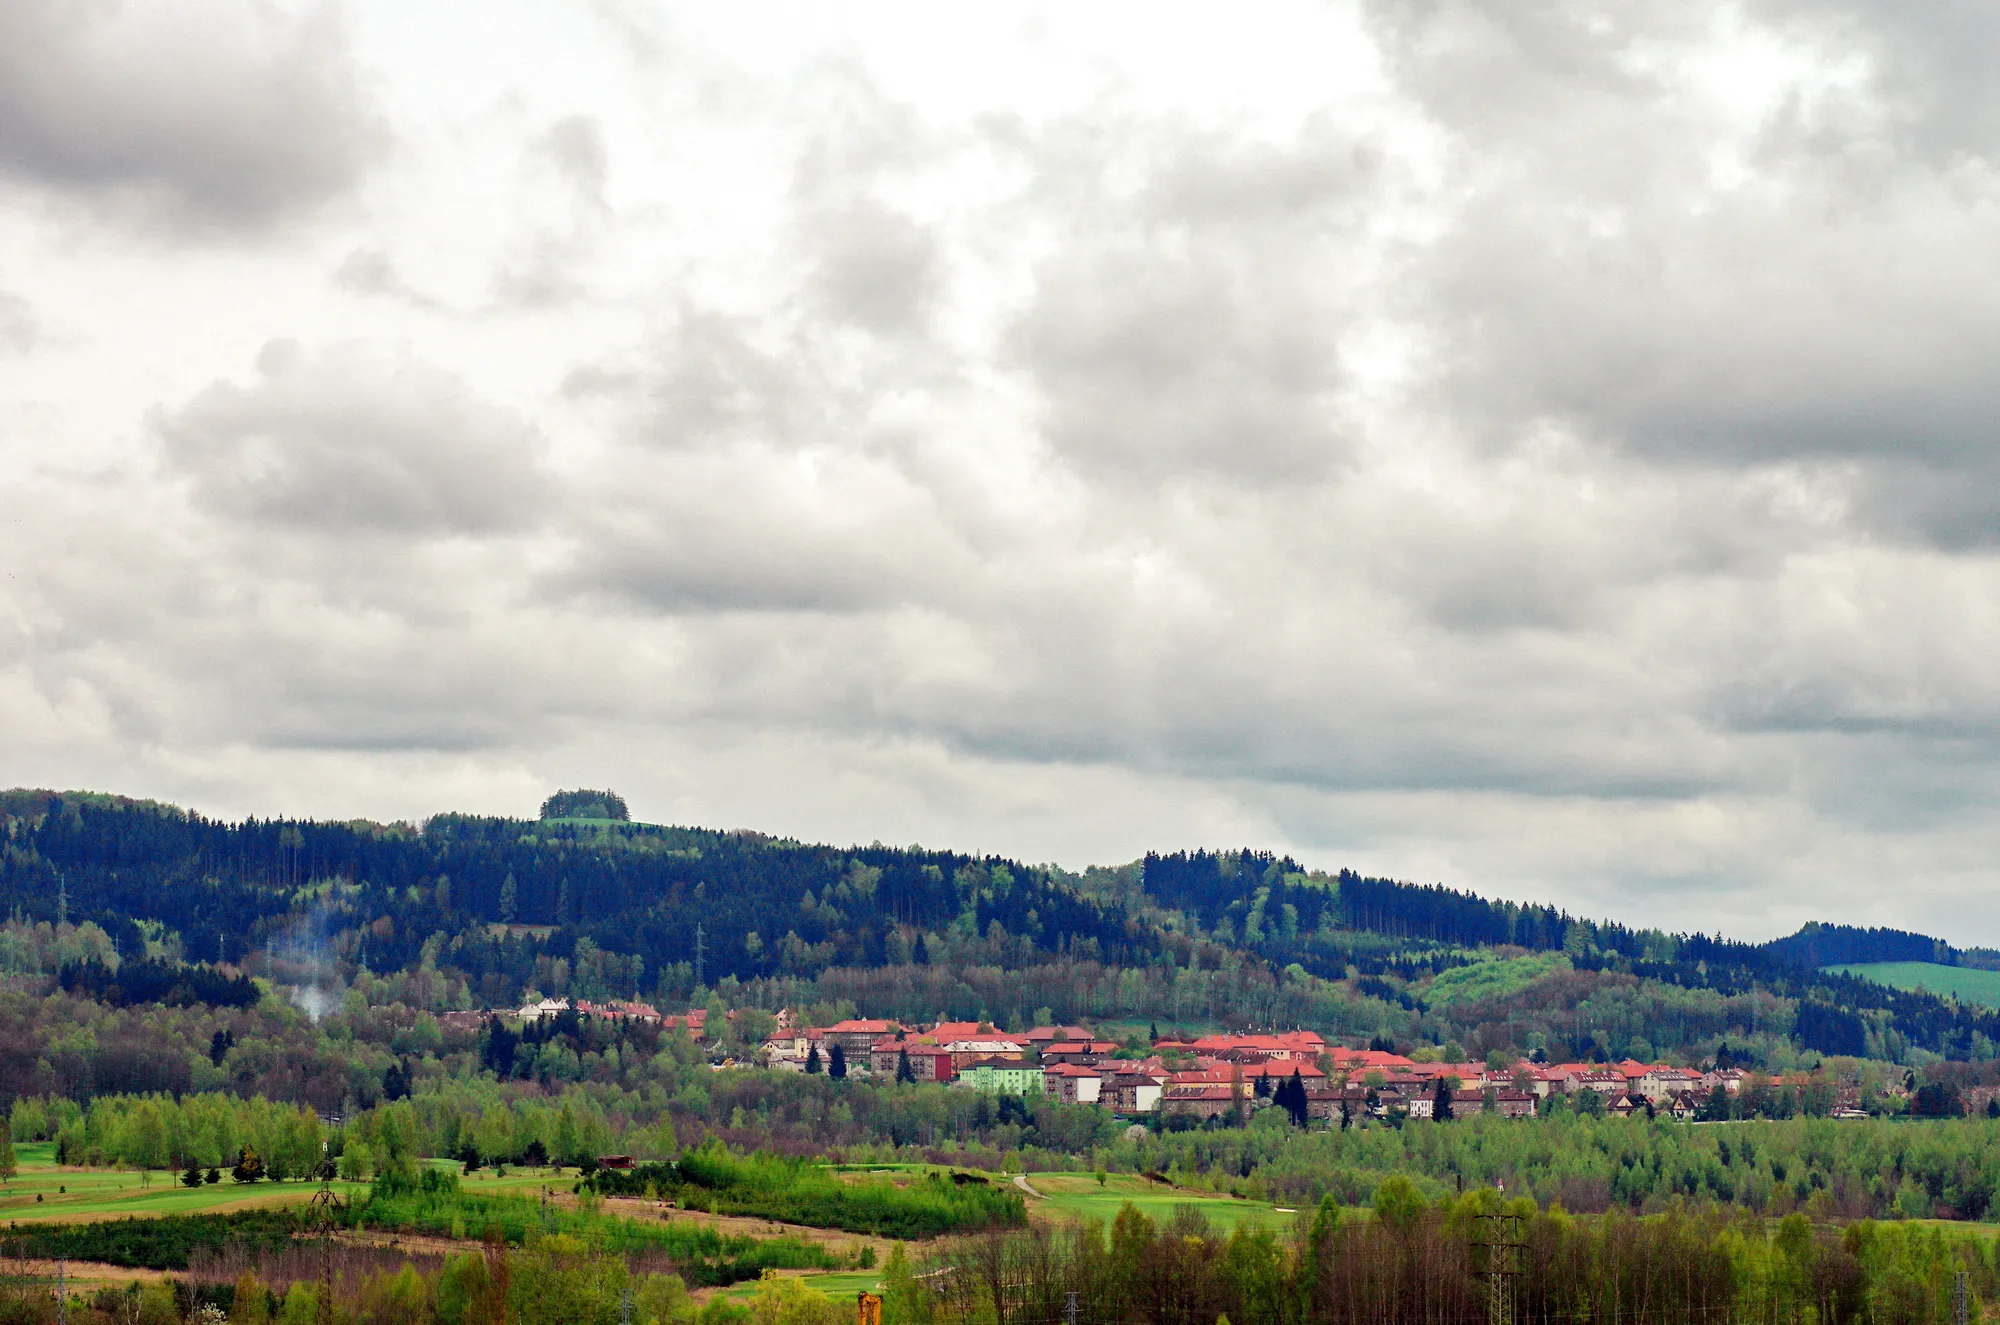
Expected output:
(1542, 452)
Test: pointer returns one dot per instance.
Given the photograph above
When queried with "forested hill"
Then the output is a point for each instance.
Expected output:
(624, 908)
(1818, 945)
(760, 905)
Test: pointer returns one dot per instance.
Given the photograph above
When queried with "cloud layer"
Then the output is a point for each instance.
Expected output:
(181, 115)
(1548, 453)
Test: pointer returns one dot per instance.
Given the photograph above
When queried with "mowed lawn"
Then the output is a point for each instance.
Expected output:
(80, 1194)
(1960, 982)
(1077, 1196)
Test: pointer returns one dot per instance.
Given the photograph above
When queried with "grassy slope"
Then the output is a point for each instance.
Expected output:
(1961, 982)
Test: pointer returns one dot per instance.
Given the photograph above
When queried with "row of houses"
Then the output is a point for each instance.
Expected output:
(1209, 1076)
(695, 1020)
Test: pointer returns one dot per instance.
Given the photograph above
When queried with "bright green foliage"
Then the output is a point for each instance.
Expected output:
(252, 1305)
(301, 1305)
(29, 1121)
(661, 1299)
(461, 1286)
(1484, 981)
(1398, 1203)
(781, 1301)
(800, 1192)
(558, 1281)
(903, 1301)
(401, 1295)
(356, 1164)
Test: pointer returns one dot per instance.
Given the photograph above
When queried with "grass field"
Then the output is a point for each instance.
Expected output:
(80, 1194)
(84, 1194)
(1960, 982)
(1077, 1196)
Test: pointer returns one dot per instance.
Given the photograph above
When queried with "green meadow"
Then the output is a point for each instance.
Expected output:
(68, 1192)
(1963, 983)
(71, 1193)
(1076, 1196)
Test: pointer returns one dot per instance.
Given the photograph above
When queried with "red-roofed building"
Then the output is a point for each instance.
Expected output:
(857, 1037)
(964, 1052)
(1360, 1060)
(883, 1055)
(1666, 1082)
(1079, 1051)
(1303, 1046)
(620, 1010)
(1042, 1035)
(1072, 1083)
(1323, 1101)
(789, 1048)
(1203, 1101)
(1279, 1069)
(1131, 1092)
(1222, 1073)
(947, 1031)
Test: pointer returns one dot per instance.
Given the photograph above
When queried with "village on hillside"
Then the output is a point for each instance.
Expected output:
(1193, 1080)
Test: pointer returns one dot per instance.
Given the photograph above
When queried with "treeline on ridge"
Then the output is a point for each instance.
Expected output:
(643, 905)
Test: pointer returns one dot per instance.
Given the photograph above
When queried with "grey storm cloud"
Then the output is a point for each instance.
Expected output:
(201, 117)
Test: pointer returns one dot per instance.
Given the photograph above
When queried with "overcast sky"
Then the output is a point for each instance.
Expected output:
(1547, 449)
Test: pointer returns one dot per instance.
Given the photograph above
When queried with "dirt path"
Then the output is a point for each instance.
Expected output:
(1021, 1181)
